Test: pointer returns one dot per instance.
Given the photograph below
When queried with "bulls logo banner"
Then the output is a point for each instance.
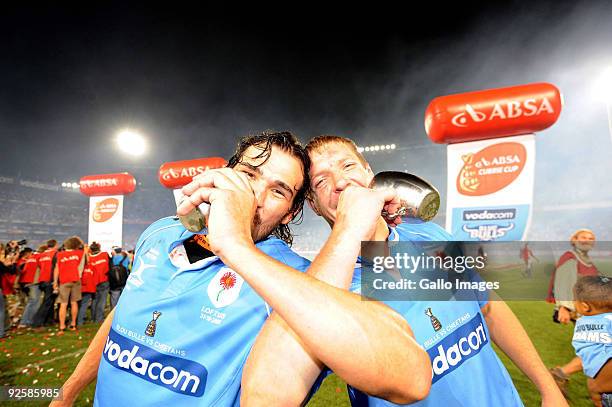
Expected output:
(106, 221)
(490, 189)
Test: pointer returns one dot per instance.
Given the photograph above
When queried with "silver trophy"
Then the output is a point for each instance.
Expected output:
(419, 199)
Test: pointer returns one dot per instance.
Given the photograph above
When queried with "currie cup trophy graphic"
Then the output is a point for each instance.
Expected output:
(150, 331)
(435, 322)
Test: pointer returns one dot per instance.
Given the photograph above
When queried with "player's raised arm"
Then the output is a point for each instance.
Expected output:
(366, 343)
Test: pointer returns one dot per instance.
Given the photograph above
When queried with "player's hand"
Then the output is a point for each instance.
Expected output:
(359, 210)
(564, 315)
(232, 206)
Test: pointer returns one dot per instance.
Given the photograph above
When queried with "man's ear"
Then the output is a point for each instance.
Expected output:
(287, 218)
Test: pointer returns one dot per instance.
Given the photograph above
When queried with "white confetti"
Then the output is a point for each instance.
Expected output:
(77, 355)
(8, 355)
(46, 352)
(24, 371)
(49, 370)
(30, 354)
(35, 381)
(42, 344)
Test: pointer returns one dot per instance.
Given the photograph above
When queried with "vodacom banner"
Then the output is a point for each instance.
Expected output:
(491, 156)
(106, 193)
(175, 175)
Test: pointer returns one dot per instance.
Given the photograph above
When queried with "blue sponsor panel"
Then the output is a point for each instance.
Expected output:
(176, 374)
(461, 345)
(493, 223)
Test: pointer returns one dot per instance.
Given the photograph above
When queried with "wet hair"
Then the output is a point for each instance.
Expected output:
(596, 290)
(288, 143)
(73, 243)
(51, 243)
(320, 142)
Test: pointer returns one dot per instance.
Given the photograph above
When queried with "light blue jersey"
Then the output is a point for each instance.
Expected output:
(593, 341)
(181, 332)
(466, 370)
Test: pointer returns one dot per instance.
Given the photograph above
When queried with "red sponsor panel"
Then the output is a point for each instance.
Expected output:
(108, 184)
(179, 173)
(491, 169)
(105, 210)
(493, 113)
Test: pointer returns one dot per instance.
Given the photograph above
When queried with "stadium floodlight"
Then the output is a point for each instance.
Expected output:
(360, 149)
(380, 147)
(131, 142)
(63, 185)
(75, 185)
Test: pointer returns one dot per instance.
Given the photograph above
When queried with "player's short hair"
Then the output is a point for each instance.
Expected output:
(319, 143)
(51, 243)
(596, 290)
(73, 243)
(42, 248)
(288, 143)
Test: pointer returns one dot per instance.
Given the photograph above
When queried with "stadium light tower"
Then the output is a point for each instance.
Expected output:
(131, 142)
(603, 91)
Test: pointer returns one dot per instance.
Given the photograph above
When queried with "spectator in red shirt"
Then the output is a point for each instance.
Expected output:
(29, 281)
(99, 262)
(46, 262)
(88, 291)
(67, 280)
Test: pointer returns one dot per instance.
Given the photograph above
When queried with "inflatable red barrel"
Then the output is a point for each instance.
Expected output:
(107, 184)
(179, 173)
(493, 113)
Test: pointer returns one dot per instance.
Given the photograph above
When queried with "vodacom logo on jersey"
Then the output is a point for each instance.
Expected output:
(503, 111)
(105, 210)
(491, 169)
